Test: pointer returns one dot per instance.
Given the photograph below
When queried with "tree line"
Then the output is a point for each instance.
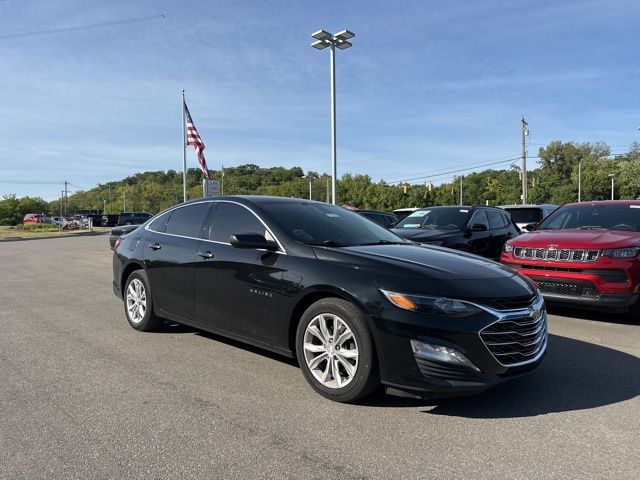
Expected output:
(555, 180)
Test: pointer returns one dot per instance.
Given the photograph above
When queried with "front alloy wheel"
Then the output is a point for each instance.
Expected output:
(330, 350)
(335, 350)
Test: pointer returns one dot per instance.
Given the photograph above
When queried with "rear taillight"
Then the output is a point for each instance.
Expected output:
(117, 244)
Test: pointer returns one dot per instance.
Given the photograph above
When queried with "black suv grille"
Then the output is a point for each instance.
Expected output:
(572, 289)
(515, 340)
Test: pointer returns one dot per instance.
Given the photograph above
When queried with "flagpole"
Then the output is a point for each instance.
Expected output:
(184, 152)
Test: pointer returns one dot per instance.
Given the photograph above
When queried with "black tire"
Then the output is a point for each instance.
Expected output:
(149, 321)
(633, 314)
(127, 223)
(366, 378)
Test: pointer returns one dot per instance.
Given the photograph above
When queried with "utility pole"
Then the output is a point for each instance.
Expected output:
(327, 198)
(60, 223)
(579, 181)
(66, 198)
(525, 133)
(222, 180)
(460, 190)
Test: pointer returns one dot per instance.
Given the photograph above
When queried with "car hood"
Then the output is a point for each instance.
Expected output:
(573, 238)
(429, 270)
(421, 235)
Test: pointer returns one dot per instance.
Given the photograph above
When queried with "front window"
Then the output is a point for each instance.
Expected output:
(609, 217)
(440, 218)
(525, 215)
(320, 224)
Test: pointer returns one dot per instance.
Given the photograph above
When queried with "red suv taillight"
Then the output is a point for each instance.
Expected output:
(117, 244)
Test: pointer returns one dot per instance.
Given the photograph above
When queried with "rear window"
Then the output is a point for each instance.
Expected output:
(525, 215)
(187, 221)
(445, 218)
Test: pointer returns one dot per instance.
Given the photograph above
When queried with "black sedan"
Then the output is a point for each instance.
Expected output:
(477, 229)
(357, 305)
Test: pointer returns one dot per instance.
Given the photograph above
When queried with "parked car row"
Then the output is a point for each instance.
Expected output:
(106, 220)
(324, 284)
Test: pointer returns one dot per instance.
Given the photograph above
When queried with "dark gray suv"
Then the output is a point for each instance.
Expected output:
(133, 218)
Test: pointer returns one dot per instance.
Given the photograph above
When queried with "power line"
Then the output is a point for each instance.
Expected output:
(84, 27)
(456, 171)
(470, 165)
(123, 21)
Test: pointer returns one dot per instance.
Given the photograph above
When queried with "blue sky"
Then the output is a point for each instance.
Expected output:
(428, 85)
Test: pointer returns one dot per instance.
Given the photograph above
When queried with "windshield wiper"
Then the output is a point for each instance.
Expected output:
(328, 243)
(590, 227)
(384, 242)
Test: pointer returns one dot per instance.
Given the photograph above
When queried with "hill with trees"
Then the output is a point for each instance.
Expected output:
(555, 180)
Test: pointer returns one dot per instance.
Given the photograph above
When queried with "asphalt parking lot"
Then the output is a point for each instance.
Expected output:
(83, 395)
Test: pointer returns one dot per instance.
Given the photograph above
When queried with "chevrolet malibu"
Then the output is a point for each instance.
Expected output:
(358, 306)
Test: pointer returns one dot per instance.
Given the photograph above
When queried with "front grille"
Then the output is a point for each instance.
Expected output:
(515, 340)
(506, 303)
(572, 289)
(561, 255)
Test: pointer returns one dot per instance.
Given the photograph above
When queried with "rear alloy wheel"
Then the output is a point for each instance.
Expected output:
(138, 306)
(335, 351)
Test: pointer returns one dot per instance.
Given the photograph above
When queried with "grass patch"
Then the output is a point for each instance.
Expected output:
(37, 227)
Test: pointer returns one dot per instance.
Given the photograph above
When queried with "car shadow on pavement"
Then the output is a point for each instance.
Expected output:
(575, 375)
(590, 315)
(176, 328)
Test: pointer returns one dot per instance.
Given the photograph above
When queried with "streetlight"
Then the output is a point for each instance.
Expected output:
(325, 39)
(612, 176)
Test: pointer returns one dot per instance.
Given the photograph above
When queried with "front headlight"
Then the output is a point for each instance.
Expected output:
(508, 248)
(628, 252)
(441, 306)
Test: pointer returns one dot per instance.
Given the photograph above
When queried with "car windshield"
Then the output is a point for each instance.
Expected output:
(441, 218)
(609, 217)
(328, 225)
(525, 215)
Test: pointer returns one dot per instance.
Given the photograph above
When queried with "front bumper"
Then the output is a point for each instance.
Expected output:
(403, 371)
(587, 287)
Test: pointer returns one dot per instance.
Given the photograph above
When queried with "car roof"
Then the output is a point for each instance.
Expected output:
(530, 205)
(605, 202)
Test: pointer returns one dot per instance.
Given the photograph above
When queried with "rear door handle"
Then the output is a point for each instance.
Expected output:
(155, 246)
(206, 255)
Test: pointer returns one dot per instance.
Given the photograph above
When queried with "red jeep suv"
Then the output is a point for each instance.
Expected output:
(584, 254)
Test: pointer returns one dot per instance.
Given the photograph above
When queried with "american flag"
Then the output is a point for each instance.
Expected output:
(193, 138)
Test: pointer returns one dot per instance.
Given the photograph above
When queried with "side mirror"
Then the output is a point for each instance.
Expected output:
(530, 227)
(251, 240)
(478, 227)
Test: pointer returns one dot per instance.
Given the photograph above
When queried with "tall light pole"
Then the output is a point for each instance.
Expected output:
(612, 176)
(325, 39)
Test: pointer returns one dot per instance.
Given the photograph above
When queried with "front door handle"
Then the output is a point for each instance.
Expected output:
(155, 246)
(206, 255)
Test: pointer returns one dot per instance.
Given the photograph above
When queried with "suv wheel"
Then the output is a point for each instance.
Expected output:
(138, 305)
(335, 351)
(127, 222)
(634, 312)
